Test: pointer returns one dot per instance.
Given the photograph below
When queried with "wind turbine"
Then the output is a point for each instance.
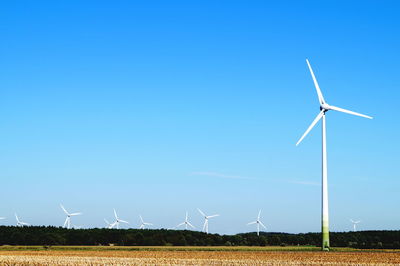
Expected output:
(354, 224)
(258, 222)
(117, 221)
(67, 223)
(206, 218)
(20, 223)
(143, 224)
(186, 223)
(324, 107)
(77, 226)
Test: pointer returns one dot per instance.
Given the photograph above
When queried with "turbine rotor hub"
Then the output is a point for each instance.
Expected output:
(325, 107)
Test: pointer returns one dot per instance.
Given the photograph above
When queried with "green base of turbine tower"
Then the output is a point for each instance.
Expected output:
(325, 239)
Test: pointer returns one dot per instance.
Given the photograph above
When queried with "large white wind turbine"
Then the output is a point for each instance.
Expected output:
(206, 218)
(186, 223)
(20, 223)
(143, 223)
(117, 221)
(258, 222)
(67, 223)
(324, 107)
(354, 224)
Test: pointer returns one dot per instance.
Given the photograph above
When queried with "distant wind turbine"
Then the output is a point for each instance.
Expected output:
(354, 224)
(117, 221)
(258, 222)
(324, 107)
(143, 224)
(77, 226)
(20, 223)
(186, 223)
(206, 218)
(67, 223)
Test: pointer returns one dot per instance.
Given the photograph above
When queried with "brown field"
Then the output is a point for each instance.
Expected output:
(192, 256)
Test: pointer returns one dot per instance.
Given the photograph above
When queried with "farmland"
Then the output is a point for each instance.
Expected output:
(72, 255)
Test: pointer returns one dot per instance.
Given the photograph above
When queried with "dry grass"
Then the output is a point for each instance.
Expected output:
(194, 256)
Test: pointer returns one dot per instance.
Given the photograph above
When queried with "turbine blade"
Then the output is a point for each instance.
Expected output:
(16, 217)
(202, 213)
(115, 214)
(252, 223)
(191, 225)
(76, 213)
(259, 213)
(62, 207)
(311, 126)
(148, 223)
(320, 96)
(212, 216)
(106, 222)
(262, 225)
(348, 111)
(141, 219)
(122, 221)
(180, 224)
(66, 221)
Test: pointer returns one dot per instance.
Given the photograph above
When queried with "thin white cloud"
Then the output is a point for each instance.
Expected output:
(220, 175)
(307, 183)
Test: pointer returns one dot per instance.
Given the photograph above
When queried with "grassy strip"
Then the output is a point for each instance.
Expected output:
(183, 248)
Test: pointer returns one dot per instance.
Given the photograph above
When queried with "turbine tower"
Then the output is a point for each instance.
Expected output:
(67, 223)
(186, 223)
(258, 222)
(354, 224)
(117, 221)
(143, 224)
(206, 218)
(324, 107)
(20, 223)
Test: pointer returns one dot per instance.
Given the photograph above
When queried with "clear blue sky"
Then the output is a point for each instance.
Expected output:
(155, 108)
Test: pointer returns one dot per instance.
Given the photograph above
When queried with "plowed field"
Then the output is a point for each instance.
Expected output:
(194, 256)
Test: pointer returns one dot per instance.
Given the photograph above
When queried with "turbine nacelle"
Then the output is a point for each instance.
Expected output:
(186, 223)
(67, 223)
(324, 107)
(117, 221)
(206, 220)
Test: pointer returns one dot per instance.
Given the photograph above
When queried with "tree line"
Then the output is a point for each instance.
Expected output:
(51, 236)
